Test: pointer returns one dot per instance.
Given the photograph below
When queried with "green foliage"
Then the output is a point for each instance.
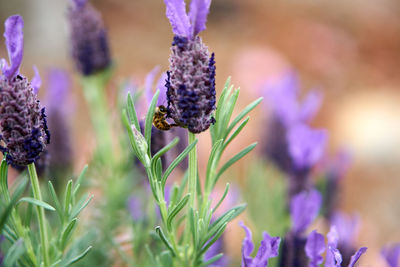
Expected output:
(22, 247)
(199, 231)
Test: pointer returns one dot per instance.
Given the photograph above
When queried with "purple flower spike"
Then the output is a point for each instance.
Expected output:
(304, 209)
(357, 256)
(198, 15)
(79, 3)
(392, 254)
(268, 249)
(310, 106)
(306, 145)
(176, 13)
(315, 246)
(36, 82)
(14, 36)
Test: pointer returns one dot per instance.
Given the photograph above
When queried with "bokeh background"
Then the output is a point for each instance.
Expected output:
(350, 50)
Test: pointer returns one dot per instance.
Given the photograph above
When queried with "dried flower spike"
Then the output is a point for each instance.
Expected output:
(22, 119)
(191, 76)
(89, 41)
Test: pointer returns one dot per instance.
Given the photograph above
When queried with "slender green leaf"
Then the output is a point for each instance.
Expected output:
(222, 198)
(149, 120)
(80, 178)
(234, 159)
(243, 113)
(214, 239)
(67, 232)
(164, 239)
(229, 215)
(236, 132)
(79, 257)
(128, 127)
(3, 180)
(82, 203)
(211, 260)
(228, 110)
(132, 111)
(211, 162)
(177, 161)
(176, 210)
(174, 196)
(68, 197)
(14, 253)
(57, 203)
(36, 202)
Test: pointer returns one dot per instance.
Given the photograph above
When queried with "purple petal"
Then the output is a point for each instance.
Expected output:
(333, 257)
(247, 246)
(304, 209)
(148, 85)
(14, 36)
(36, 82)
(198, 15)
(269, 248)
(356, 256)
(306, 145)
(176, 13)
(79, 3)
(392, 255)
(310, 106)
(162, 99)
(347, 227)
(315, 246)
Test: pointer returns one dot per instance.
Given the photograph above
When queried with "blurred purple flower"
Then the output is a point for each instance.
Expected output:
(333, 257)
(304, 209)
(89, 40)
(135, 207)
(391, 253)
(314, 248)
(282, 99)
(59, 108)
(306, 145)
(269, 248)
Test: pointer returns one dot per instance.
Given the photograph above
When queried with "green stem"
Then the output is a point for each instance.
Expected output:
(40, 212)
(94, 92)
(192, 172)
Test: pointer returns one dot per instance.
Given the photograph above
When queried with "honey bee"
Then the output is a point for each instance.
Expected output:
(159, 119)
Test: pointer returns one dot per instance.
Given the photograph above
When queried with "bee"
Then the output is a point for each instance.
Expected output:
(159, 119)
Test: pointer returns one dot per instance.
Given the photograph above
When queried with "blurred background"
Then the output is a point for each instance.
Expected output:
(349, 50)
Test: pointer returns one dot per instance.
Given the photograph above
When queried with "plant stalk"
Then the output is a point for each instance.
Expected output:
(40, 212)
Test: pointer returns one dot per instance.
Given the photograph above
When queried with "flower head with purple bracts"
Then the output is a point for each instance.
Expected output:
(269, 248)
(89, 41)
(23, 122)
(191, 77)
(391, 253)
(315, 246)
(304, 208)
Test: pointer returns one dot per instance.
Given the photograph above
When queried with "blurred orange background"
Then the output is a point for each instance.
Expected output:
(350, 50)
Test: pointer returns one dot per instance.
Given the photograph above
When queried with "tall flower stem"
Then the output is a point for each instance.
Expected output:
(192, 171)
(94, 92)
(40, 212)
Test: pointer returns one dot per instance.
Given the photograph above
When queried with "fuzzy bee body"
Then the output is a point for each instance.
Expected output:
(159, 119)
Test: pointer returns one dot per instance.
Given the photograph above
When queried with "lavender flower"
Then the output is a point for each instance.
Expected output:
(57, 106)
(282, 100)
(191, 79)
(391, 253)
(268, 249)
(22, 119)
(315, 246)
(347, 228)
(89, 41)
(304, 209)
(333, 255)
